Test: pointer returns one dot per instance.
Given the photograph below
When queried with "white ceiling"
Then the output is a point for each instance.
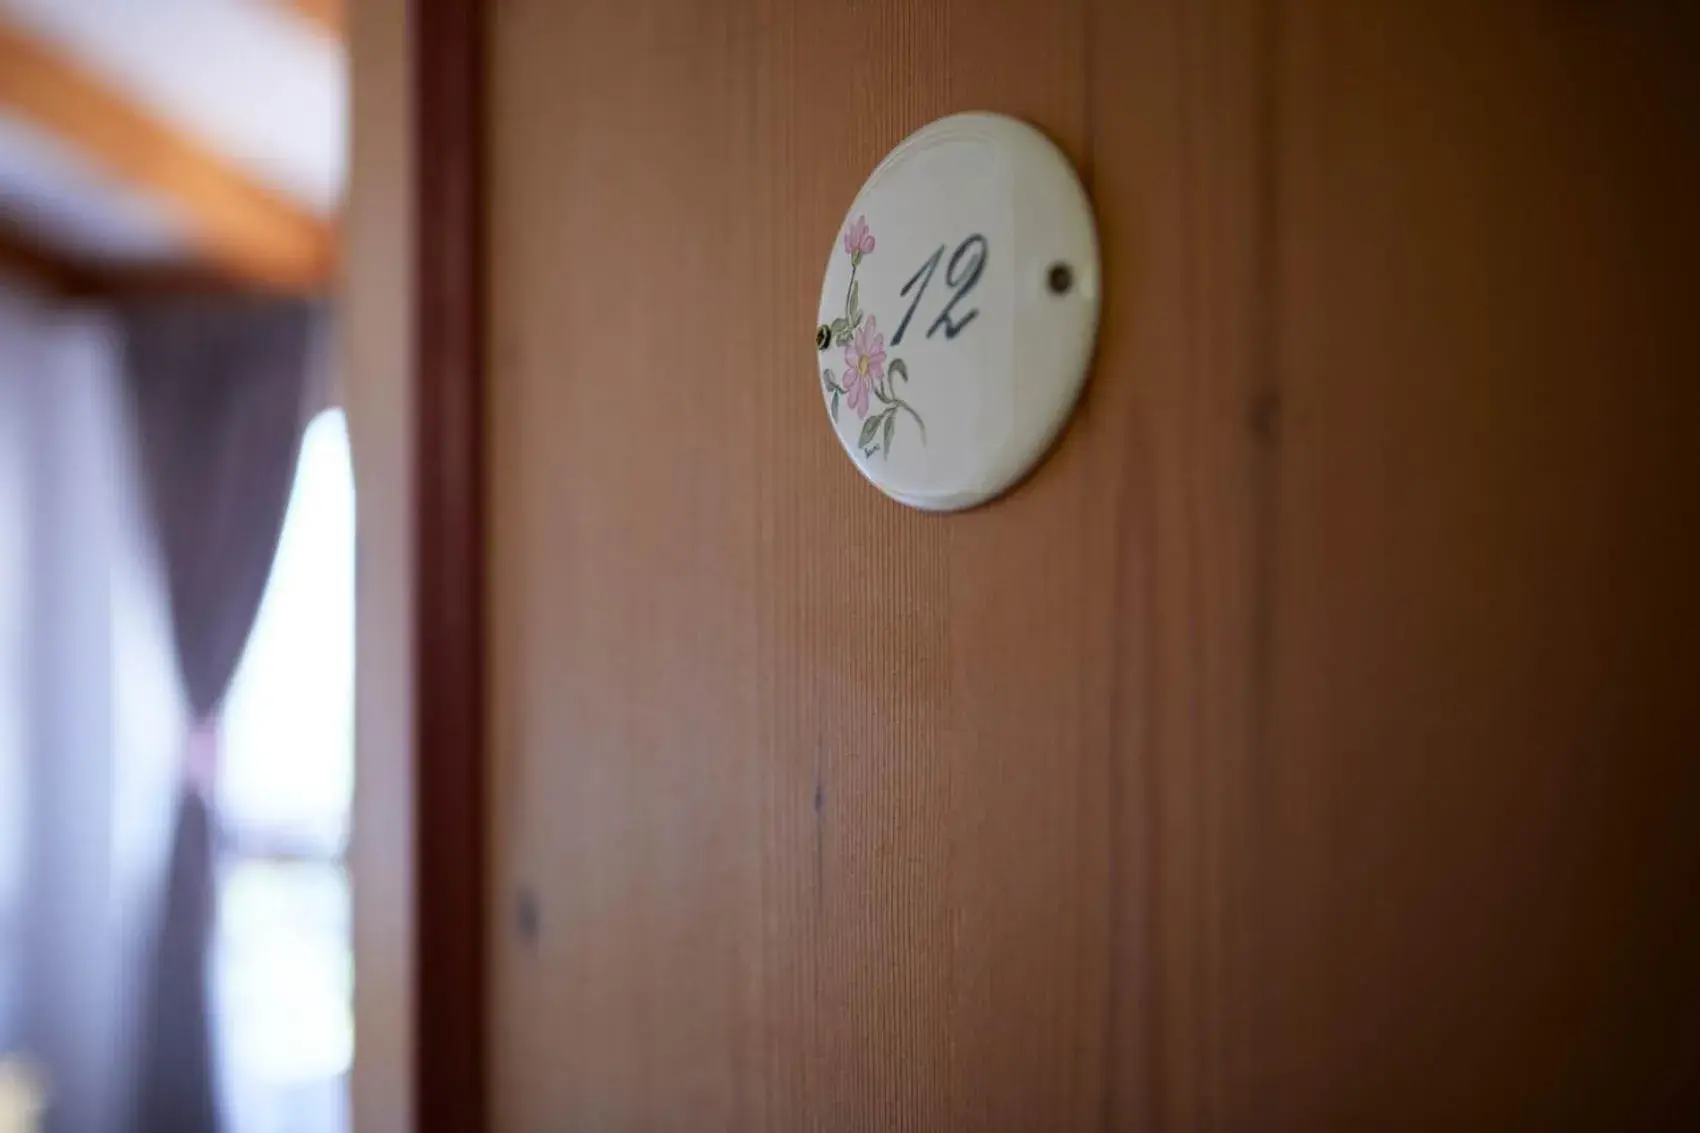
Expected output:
(254, 81)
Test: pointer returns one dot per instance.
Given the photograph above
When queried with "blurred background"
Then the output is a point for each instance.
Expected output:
(176, 567)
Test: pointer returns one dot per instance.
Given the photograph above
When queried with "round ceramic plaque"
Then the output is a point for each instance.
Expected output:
(959, 311)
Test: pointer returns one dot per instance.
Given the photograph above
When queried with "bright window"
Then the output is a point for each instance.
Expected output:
(282, 963)
(14, 608)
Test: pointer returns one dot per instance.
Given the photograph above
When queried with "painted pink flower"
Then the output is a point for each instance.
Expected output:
(857, 239)
(864, 364)
(856, 390)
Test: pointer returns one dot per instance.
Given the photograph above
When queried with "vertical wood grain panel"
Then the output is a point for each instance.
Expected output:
(811, 790)
(1305, 746)
(1402, 294)
(1182, 178)
(376, 312)
(1486, 299)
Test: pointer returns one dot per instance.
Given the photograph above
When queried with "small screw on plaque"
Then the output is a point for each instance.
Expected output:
(1060, 278)
(823, 337)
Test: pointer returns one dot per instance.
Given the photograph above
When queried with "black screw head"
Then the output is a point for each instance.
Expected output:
(1060, 278)
(823, 337)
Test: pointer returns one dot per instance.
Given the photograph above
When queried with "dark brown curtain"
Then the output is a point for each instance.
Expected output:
(219, 391)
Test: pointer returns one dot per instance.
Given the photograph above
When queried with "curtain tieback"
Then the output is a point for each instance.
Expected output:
(200, 757)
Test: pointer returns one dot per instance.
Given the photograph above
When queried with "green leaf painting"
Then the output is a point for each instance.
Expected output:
(871, 428)
(868, 375)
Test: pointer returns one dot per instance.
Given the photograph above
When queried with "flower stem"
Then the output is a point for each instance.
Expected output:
(888, 396)
(904, 405)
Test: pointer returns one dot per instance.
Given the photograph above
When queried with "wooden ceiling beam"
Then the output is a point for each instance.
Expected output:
(330, 15)
(54, 273)
(241, 226)
(23, 260)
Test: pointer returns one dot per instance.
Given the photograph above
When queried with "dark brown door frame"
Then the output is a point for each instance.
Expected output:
(450, 1067)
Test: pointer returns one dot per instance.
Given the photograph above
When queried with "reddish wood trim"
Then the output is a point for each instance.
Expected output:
(450, 1091)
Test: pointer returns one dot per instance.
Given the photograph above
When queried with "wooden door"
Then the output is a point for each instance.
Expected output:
(1306, 745)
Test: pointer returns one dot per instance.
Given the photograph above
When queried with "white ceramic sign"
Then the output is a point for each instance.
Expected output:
(959, 310)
